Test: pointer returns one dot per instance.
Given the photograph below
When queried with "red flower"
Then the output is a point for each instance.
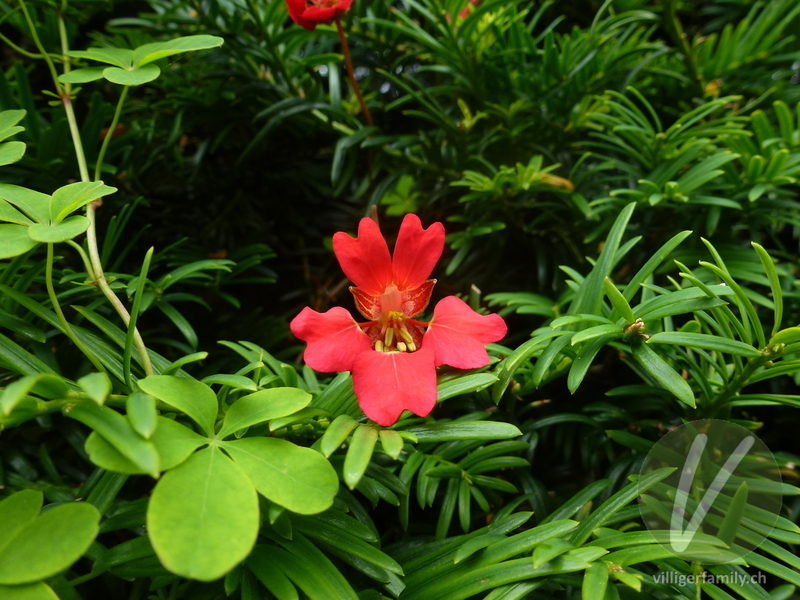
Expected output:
(393, 356)
(310, 13)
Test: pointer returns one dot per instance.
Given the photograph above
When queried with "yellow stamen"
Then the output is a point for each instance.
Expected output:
(412, 347)
(389, 338)
(379, 346)
(401, 346)
(406, 336)
(395, 315)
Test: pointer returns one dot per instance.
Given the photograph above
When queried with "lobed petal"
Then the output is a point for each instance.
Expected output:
(321, 14)
(415, 301)
(387, 383)
(369, 306)
(416, 252)
(458, 335)
(296, 8)
(334, 339)
(365, 259)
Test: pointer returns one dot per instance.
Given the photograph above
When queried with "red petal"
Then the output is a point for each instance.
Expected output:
(416, 300)
(416, 252)
(296, 9)
(320, 14)
(386, 383)
(369, 306)
(365, 259)
(457, 334)
(334, 339)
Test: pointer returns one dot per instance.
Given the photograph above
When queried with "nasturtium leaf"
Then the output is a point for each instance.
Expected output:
(8, 123)
(189, 396)
(82, 75)
(105, 456)
(60, 232)
(49, 544)
(69, 198)
(120, 57)
(117, 431)
(299, 479)
(9, 214)
(203, 516)
(174, 444)
(32, 591)
(262, 406)
(463, 430)
(16, 512)
(11, 152)
(46, 385)
(14, 240)
(130, 77)
(34, 204)
(96, 385)
(150, 52)
(142, 414)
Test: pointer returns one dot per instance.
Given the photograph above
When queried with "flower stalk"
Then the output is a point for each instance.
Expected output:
(348, 61)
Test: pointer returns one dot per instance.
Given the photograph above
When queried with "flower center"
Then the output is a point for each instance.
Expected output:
(396, 337)
(324, 3)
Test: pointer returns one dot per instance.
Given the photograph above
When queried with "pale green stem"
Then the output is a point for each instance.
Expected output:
(87, 264)
(57, 307)
(110, 133)
(96, 271)
(38, 43)
(22, 51)
(100, 280)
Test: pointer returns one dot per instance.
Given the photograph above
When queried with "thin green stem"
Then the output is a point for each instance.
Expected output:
(87, 264)
(110, 133)
(22, 51)
(64, 323)
(38, 42)
(66, 99)
(100, 281)
(96, 270)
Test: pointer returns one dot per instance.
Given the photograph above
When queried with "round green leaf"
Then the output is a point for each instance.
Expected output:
(150, 52)
(82, 75)
(14, 240)
(16, 512)
(263, 406)
(203, 516)
(61, 232)
(34, 591)
(136, 76)
(105, 456)
(49, 544)
(11, 152)
(174, 443)
(118, 432)
(187, 395)
(299, 479)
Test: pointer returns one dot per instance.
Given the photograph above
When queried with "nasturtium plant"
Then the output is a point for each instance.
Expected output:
(134, 67)
(225, 475)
